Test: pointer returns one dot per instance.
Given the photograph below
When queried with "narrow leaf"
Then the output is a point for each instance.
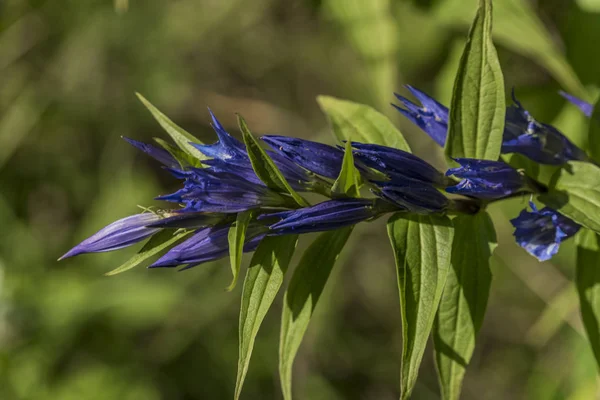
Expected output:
(184, 159)
(265, 168)
(349, 181)
(178, 134)
(477, 109)
(421, 245)
(302, 295)
(587, 279)
(575, 192)
(237, 237)
(263, 280)
(594, 133)
(354, 121)
(157, 243)
(464, 300)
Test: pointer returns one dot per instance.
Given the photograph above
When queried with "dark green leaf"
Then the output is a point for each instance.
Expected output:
(464, 300)
(302, 295)
(263, 280)
(265, 168)
(421, 245)
(157, 243)
(354, 121)
(349, 181)
(594, 133)
(588, 286)
(237, 237)
(575, 192)
(477, 109)
(178, 134)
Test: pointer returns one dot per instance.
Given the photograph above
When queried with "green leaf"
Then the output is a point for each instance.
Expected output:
(157, 243)
(587, 279)
(421, 245)
(265, 168)
(263, 280)
(184, 159)
(348, 182)
(594, 133)
(477, 109)
(575, 192)
(464, 300)
(302, 295)
(354, 121)
(237, 237)
(178, 134)
(515, 20)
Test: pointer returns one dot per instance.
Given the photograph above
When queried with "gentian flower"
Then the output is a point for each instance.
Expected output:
(432, 117)
(584, 106)
(540, 142)
(397, 164)
(540, 232)
(119, 234)
(412, 195)
(332, 214)
(207, 244)
(160, 155)
(485, 179)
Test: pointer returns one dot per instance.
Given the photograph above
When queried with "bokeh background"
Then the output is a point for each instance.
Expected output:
(68, 73)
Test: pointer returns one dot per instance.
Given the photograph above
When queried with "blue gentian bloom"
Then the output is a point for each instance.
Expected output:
(486, 179)
(227, 147)
(584, 106)
(207, 244)
(119, 234)
(432, 117)
(316, 157)
(540, 232)
(160, 155)
(540, 142)
(328, 215)
(412, 195)
(397, 164)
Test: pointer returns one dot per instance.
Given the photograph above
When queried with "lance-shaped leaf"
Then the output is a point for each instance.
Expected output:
(464, 300)
(177, 133)
(302, 295)
(594, 133)
(575, 193)
(477, 109)
(587, 279)
(265, 168)
(354, 121)
(237, 237)
(263, 280)
(184, 159)
(421, 245)
(349, 181)
(158, 243)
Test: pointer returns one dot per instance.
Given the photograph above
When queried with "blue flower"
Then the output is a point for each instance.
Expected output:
(412, 196)
(332, 214)
(316, 157)
(485, 179)
(584, 106)
(397, 164)
(119, 234)
(540, 232)
(205, 245)
(160, 155)
(432, 117)
(227, 148)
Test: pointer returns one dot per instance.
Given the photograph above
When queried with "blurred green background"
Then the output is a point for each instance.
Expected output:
(68, 73)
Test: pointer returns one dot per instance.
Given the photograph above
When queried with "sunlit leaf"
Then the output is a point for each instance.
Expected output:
(349, 181)
(237, 237)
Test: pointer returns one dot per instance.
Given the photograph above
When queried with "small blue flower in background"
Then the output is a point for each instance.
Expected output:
(397, 164)
(119, 234)
(540, 232)
(324, 216)
(432, 117)
(205, 245)
(584, 106)
(485, 179)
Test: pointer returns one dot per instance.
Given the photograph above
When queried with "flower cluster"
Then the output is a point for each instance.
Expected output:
(216, 189)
